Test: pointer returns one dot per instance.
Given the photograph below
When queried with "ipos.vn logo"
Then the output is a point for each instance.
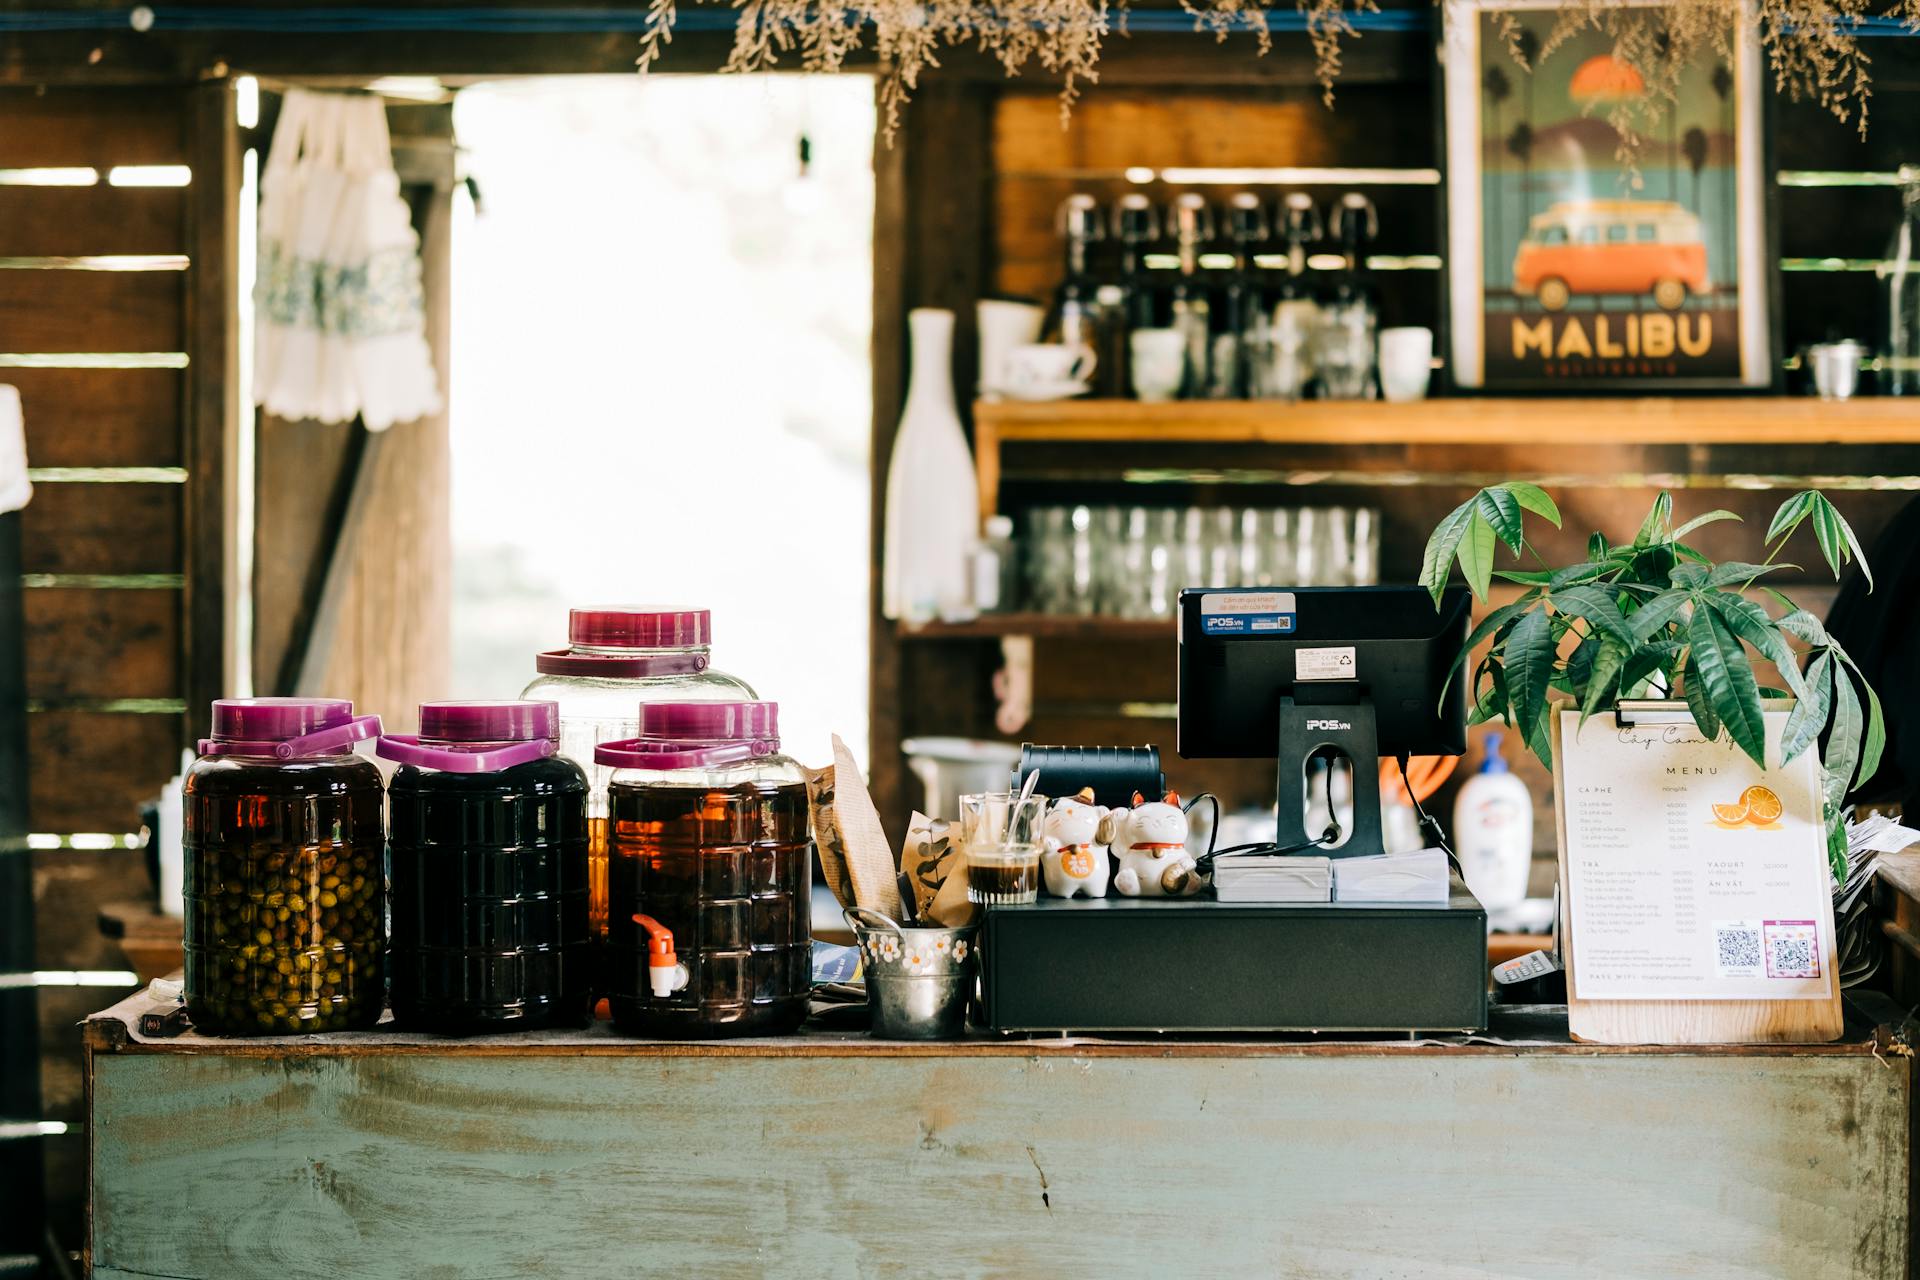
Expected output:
(1327, 724)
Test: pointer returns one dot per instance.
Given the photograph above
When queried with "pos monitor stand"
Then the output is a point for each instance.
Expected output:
(1329, 672)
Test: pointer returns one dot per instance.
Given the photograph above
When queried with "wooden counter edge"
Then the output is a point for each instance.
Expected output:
(107, 1032)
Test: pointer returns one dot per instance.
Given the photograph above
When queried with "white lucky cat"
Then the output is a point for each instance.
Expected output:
(1076, 858)
(1151, 843)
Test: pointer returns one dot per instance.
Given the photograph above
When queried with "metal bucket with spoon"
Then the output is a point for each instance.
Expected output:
(918, 979)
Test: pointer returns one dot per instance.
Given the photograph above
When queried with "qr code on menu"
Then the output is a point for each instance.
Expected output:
(1792, 949)
(1737, 948)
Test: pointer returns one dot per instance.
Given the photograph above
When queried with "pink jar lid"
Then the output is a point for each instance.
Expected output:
(691, 735)
(709, 721)
(509, 721)
(286, 727)
(639, 627)
(477, 737)
(673, 634)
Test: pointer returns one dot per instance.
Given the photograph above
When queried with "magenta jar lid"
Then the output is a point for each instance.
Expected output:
(639, 627)
(709, 721)
(506, 721)
(286, 727)
(277, 719)
(695, 735)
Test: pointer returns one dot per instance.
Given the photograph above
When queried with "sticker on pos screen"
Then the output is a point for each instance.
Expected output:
(1335, 663)
(1228, 613)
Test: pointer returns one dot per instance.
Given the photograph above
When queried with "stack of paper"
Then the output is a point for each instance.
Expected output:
(1420, 876)
(1273, 878)
(1859, 943)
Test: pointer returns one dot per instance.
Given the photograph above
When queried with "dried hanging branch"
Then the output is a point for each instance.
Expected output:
(1812, 46)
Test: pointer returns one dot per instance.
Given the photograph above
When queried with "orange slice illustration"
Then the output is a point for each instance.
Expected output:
(1731, 815)
(1763, 806)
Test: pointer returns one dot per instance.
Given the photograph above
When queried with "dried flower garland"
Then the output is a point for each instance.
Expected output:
(1812, 46)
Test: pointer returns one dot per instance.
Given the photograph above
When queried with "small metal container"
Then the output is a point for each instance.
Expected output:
(1836, 368)
(918, 980)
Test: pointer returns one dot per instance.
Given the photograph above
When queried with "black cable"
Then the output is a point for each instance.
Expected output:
(1271, 848)
(1429, 828)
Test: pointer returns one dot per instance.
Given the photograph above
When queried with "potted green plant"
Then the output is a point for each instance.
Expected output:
(1656, 618)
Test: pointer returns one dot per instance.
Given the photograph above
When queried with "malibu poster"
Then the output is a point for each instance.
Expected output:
(1565, 271)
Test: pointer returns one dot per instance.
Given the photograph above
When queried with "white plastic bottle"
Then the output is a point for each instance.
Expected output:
(1493, 831)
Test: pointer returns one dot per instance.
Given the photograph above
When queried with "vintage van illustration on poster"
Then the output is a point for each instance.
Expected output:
(1571, 271)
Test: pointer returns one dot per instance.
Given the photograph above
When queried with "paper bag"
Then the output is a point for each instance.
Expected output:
(936, 862)
(854, 851)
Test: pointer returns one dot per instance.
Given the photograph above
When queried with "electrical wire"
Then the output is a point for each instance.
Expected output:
(1429, 828)
(1270, 848)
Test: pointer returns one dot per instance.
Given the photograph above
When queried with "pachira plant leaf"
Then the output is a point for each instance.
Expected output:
(1476, 554)
(1837, 541)
(1809, 714)
(1603, 680)
(1789, 515)
(1530, 659)
(1658, 526)
(1501, 510)
(1719, 663)
(1594, 606)
(1752, 624)
(1656, 613)
(1702, 521)
(1443, 544)
(1844, 734)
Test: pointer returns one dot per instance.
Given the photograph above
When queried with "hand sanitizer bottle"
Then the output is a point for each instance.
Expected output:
(1493, 831)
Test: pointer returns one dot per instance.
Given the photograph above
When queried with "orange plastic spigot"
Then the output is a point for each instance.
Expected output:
(659, 942)
(664, 973)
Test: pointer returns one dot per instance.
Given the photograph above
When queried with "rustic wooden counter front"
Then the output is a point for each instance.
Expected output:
(1515, 1154)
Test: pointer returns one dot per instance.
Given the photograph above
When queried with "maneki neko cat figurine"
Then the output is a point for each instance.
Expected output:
(1075, 860)
(1150, 840)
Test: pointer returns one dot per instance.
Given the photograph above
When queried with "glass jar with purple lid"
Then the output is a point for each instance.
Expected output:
(709, 932)
(619, 656)
(488, 840)
(285, 888)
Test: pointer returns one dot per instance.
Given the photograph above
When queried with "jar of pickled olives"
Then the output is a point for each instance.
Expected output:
(285, 876)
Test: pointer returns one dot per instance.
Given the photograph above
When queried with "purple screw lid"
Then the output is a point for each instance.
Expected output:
(639, 627)
(696, 735)
(277, 719)
(286, 727)
(509, 721)
(710, 722)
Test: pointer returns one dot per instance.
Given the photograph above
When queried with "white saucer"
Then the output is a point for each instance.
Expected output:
(1047, 391)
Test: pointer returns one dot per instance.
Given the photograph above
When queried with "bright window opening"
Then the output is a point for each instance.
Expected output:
(661, 375)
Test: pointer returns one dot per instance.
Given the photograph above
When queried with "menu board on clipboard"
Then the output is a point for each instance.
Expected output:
(1698, 900)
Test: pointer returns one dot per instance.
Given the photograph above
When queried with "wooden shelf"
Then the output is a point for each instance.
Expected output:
(1043, 625)
(1756, 420)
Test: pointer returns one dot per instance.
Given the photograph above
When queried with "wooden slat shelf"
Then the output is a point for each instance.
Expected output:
(1647, 420)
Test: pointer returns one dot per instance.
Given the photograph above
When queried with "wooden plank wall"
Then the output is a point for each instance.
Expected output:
(112, 561)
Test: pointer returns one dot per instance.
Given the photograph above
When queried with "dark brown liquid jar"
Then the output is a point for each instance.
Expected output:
(285, 871)
(709, 875)
(488, 849)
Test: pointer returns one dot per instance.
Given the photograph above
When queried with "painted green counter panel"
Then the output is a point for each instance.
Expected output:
(823, 1157)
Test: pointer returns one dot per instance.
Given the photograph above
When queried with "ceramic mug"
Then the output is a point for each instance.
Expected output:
(1406, 363)
(1048, 368)
(1159, 363)
(1004, 324)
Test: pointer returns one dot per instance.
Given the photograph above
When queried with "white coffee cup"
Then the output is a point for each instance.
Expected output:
(1406, 363)
(1004, 324)
(1045, 367)
(1159, 363)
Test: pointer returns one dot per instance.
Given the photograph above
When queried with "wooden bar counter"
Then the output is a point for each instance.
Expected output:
(1517, 1153)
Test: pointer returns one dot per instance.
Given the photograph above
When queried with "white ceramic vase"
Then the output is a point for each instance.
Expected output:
(931, 519)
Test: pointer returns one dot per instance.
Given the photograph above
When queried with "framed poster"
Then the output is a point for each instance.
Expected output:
(1562, 273)
(1697, 895)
